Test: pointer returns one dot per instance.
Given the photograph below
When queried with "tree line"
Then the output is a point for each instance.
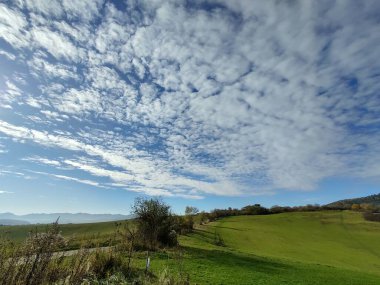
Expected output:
(370, 211)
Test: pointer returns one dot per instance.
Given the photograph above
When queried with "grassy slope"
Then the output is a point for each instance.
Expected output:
(223, 266)
(341, 239)
(293, 248)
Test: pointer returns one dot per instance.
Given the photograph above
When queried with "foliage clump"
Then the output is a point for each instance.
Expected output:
(155, 223)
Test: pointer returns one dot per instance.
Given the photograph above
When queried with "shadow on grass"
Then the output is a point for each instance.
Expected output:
(230, 260)
(229, 228)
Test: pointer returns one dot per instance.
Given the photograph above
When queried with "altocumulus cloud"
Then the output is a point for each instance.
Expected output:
(187, 99)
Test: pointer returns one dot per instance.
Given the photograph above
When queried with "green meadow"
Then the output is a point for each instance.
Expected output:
(290, 248)
(339, 239)
(330, 247)
(92, 234)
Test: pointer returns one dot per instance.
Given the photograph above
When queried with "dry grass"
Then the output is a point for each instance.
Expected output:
(40, 260)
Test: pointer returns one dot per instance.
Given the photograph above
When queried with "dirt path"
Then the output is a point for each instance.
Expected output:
(68, 253)
(75, 251)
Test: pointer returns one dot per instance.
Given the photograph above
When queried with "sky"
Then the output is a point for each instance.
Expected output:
(205, 103)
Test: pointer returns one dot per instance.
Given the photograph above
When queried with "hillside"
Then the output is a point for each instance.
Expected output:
(330, 247)
(11, 222)
(372, 199)
(326, 247)
(334, 238)
(64, 218)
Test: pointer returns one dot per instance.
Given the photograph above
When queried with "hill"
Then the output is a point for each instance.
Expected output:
(322, 247)
(90, 234)
(10, 222)
(327, 247)
(372, 199)
(64, 218)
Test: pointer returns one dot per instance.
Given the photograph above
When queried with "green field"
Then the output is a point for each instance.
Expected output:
(78, 234)
(290, 248)
(340, 239)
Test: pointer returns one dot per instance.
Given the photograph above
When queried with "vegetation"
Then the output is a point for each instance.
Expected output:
(37, 260)
(347, 203)
(369, 216)
(252, 245)
(190, 213)
(155, 223)
(40, 260)
(371, 210)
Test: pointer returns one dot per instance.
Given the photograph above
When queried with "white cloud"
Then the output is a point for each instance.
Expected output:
(12, 27)
(70, 178)
(85, 10)
(59, 71)
(33, 102)
(3, 149)
(42, 160)
(8, 55)
(241, 98)
(149, 174)
(56, 44)
(10, 94)
(53, 115)
(51, 8)
(83, 181)
(77, 101)
(5, 192)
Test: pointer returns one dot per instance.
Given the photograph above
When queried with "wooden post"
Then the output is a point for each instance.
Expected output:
(147, 263)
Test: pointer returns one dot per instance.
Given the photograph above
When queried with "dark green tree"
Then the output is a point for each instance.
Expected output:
(155, 222)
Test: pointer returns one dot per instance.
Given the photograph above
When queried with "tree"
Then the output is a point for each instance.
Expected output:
(203, 217)
(154, 221)
(256, 209)
(190, 212)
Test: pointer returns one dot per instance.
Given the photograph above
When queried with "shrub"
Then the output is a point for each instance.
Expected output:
(373, 217)
(106, 263)
(154, 222)
(218, 240)
(190, 212)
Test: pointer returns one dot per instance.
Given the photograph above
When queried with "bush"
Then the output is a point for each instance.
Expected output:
(256, 209)
(373, 217)
(154, 222)
(107, 263)
(218, 240)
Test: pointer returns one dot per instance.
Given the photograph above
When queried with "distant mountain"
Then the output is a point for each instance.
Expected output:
(372, 199)
(64, 218)
(10, 222)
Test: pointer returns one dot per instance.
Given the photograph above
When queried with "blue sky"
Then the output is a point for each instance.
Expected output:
(204, 103)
